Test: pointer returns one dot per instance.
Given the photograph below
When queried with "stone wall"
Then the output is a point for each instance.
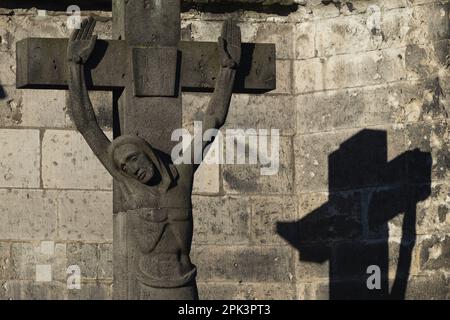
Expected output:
(361, 84)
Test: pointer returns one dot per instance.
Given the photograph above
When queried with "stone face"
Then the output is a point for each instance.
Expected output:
(68, 162)
(20, 158)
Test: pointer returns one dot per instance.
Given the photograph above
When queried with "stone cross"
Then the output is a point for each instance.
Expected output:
(147, 67)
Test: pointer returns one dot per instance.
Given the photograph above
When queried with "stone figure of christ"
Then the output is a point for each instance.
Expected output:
(156, 193)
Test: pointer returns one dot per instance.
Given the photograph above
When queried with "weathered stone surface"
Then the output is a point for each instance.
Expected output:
(349, 70)
(349, 159)
(434, 139)
(279, 34)
(262, 112)
(267, 211)
(428, 103)
(26, 256)
(31, 290)
(284, 77)
(85, 256)
(313, 290)
(69, 163)
(47, 108)
(246, 112)
(354, 108)
(19, 158)
(207, 179)
(43, 108)
(305, 36)
(246, 291)
(435, 254)
(5, 260)
(395, 246)
(220, 220)
(252, 264)
(433, 213)
(75, 218)
(16, 221)
(105, 267)
(92, 291)
(428, 287)
(247, 178)
(321, 207)
(7, 69)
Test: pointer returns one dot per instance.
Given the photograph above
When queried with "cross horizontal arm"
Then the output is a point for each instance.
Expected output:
(42, 65)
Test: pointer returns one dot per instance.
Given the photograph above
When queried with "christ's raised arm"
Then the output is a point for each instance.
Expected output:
(80, 47)
(230, 57)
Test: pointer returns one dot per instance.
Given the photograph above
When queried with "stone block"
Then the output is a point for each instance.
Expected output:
(20, 158)
(27, 214)
(432, 139)
(221, 220)
(245, 291)
(248, 178)
(350, 159)
(29, 263)
(69, 163)
(246, 264)
(267, 212)
(76, 219)
(355, 108)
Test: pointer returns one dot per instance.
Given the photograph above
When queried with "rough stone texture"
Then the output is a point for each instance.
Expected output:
(75, 220)
(33, 217)
(360, 86)
(69, 163)
(219, 220)
(20, 159)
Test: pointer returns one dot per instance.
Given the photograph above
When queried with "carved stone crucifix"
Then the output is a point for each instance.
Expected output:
(147, 67)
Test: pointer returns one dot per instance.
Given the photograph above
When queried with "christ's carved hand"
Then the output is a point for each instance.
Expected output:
(82, 42)
(230, 45)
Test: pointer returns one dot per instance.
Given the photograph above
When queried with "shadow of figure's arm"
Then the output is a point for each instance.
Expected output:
(407, 244)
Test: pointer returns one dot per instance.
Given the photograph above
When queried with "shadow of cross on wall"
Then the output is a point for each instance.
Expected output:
(351, 230)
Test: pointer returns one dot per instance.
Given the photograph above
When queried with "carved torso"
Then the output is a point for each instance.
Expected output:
(160, 227)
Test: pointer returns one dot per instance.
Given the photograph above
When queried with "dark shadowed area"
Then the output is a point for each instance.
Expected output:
(351, 230)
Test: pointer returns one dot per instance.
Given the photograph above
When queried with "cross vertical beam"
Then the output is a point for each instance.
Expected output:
(151, 29)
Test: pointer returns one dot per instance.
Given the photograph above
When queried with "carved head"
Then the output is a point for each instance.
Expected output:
(134, 158)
